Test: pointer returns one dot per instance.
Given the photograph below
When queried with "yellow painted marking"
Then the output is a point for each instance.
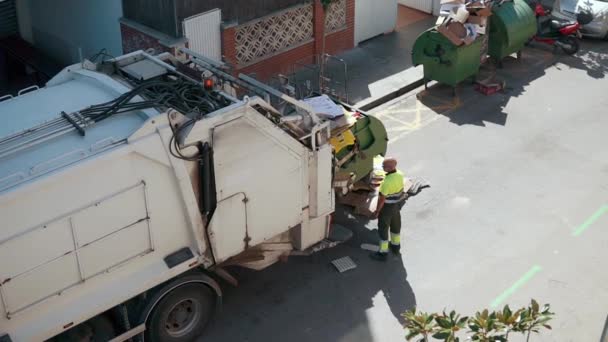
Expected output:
(404, 123)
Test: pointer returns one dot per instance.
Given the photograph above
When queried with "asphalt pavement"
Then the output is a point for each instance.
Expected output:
(518, 209)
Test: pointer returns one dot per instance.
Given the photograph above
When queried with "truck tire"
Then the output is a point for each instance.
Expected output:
(182, 314)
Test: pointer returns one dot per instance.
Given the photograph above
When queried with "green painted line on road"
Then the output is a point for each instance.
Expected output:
(601, 211)
(508, 292)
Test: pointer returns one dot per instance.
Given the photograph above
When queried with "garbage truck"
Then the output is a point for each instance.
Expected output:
(127, 185)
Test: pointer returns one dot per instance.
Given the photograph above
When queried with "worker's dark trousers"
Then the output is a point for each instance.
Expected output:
(389, 218)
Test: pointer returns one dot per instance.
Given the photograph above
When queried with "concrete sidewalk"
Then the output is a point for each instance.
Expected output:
(383, 65)
(376, 68)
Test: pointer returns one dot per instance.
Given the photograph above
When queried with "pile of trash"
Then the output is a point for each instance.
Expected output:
(462, 21)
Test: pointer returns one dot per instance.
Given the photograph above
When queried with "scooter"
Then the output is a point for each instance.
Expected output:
(562, 34)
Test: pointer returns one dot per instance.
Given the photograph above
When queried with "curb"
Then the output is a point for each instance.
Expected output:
(370, 104)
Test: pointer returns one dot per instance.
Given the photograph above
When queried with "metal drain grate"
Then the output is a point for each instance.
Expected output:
(344, 264)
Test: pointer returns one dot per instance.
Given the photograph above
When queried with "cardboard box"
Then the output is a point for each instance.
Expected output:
(454, 31)
(477, 20)
(485, 12)
(459, 14)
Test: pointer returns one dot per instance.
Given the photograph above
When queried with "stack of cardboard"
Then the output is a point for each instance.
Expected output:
(462, 21)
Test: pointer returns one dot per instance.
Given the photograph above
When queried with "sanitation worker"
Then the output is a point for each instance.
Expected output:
(391, 200)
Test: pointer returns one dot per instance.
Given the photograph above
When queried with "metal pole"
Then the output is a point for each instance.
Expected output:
(286, 98)
(196, 55)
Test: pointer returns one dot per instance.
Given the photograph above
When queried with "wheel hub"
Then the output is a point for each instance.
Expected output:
(182, 317)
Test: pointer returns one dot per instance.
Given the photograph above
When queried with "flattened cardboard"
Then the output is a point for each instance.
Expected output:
(447, 31)
(477, 20)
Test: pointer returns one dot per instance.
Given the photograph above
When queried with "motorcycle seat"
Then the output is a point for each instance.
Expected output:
(559, 24)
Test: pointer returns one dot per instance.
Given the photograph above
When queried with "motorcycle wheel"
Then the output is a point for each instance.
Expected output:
(570, 45)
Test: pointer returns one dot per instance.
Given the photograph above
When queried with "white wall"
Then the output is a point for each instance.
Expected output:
(67, 29)
(373, 18)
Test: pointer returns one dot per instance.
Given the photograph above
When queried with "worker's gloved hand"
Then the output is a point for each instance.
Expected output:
(417, 186)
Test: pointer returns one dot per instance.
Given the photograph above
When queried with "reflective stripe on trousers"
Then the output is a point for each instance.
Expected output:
(383, 246)
(395, 239)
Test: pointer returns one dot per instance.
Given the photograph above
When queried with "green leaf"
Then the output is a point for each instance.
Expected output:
(443, 322)
(507, 311)
(535, 306)
(547, 326)
(411, 334)
(442, 335)
(516, 316)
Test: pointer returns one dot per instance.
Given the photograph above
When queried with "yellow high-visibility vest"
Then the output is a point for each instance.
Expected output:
(392, 187)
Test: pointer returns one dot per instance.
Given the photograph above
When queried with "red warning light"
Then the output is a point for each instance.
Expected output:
(208, 84)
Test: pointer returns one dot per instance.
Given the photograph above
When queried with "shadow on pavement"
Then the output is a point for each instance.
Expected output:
(470, 107)
(306, 299)
(593, 58)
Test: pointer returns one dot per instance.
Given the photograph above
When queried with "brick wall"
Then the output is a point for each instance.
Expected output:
(336, 42)
(343, 40)
(284, 62)
(133, 40)
(229, 45)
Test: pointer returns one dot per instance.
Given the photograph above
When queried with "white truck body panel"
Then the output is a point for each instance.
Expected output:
(90, 228)
(80, 257)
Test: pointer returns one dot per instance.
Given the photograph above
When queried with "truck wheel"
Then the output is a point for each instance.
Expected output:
(182, 314)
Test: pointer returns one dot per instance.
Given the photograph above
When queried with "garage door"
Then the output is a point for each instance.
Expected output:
(8, 18)
(203, 33)
(373, 18)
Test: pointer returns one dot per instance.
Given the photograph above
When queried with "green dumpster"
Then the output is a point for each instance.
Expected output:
(512, 25)
(443, 61)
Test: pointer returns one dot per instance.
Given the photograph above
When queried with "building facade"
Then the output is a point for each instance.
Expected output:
(253, 39)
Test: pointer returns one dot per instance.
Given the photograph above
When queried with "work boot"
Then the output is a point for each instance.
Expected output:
(379, 256)
(396, 249)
